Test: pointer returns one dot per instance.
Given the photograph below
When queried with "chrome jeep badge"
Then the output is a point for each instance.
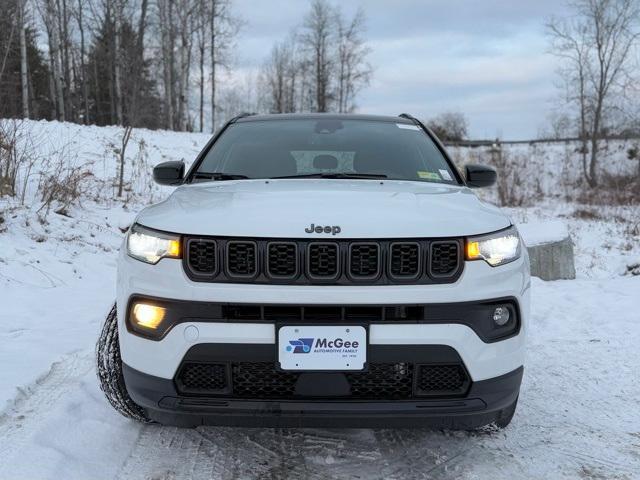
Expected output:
(313, 228)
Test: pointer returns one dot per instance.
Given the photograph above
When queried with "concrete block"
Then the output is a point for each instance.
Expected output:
(553, 260)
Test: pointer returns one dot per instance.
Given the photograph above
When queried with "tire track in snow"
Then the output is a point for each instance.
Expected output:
(420, 453)
(20, 420)
(171, 453)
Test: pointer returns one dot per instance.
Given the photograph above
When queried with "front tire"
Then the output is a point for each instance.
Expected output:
(109, 371)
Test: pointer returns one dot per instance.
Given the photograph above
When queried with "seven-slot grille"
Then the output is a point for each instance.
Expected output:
(405, 260)
(364, 260)
(242, 259)
(323, 259)
(282, 260)
(339, 262)
(382, 381)
(444, 256)
(202, 256)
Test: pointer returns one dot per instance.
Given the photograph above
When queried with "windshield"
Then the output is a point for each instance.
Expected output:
(330, 148)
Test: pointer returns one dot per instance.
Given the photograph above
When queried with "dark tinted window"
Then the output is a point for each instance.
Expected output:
(277, 148)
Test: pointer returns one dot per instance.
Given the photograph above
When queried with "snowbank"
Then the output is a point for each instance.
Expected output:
(538, 233)
(54, 149)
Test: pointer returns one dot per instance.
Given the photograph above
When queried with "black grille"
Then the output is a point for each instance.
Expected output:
(323, 260)
(387, 381)
(282, 260)
(203, 378)
(405, 260)
(242, 259)
(310, 313)
(444, 258)
(382, 381)
(336, 262)
(262, 380)
(441, 379)
(364, 260)
(202, 256)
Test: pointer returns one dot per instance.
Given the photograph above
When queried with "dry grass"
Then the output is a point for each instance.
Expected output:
(611, 190)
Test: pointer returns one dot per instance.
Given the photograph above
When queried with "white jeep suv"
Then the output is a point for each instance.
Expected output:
(319, 270)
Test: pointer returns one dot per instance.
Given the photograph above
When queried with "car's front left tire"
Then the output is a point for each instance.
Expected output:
(109, 371)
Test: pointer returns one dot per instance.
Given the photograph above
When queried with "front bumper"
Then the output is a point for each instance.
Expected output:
(481, 402)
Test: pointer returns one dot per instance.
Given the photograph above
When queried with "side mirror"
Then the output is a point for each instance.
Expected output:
(169, 173)
(479, 176)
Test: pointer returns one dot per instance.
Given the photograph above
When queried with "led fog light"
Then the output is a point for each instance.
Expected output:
(501, 315)
(147, 316)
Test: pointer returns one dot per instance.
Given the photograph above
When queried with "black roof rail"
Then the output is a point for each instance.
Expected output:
(242, 115)
(414, 120)
(408, 117)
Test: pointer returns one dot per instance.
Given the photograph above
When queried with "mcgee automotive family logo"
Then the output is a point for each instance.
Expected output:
(302, 345)
(322, 345)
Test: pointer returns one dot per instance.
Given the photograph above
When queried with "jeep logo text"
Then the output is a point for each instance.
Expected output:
(313, 228)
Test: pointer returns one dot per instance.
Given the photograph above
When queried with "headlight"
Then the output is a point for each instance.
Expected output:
(495, 248)
(150, 246)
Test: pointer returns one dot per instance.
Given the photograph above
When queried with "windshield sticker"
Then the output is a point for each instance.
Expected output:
(407, 127)
(429, 175)
(445, 174)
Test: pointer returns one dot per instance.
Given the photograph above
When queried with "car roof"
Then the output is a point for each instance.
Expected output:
(324, 116)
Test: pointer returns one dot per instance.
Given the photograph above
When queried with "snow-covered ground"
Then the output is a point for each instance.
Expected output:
(579, 410)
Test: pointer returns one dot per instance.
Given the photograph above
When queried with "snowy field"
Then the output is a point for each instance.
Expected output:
(579, 410)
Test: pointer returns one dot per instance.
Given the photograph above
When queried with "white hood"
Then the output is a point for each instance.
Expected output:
(361, 208)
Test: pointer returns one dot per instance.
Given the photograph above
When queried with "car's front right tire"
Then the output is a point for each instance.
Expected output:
(109, 371)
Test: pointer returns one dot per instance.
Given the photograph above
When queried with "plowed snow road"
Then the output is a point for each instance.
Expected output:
(579, 417)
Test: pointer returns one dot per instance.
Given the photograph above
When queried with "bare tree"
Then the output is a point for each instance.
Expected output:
(23, 59)
(321, 67)
(280, 76)
(118, 15)
(166, 25)
(558, 125)
(354, 72)
(201, 39)
(8, 43)
(138, 64)
(80, 19)
(126, 136)
(597, 46)
(223, 28)
(49, 12)
(449, 126)
(185, 10)
(317, 38)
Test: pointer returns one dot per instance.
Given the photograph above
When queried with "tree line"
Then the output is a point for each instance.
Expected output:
(113, 62)
(321, 66)
(157, 64)
(599, 72)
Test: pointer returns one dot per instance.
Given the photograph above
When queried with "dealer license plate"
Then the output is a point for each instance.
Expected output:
(316, 347)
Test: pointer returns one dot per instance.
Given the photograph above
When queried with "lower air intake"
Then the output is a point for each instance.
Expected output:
(382, 381)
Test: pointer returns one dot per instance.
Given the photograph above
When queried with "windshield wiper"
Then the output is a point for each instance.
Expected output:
(346, 175)
(218, 176)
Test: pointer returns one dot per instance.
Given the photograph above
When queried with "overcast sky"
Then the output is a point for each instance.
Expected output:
(485, 58)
